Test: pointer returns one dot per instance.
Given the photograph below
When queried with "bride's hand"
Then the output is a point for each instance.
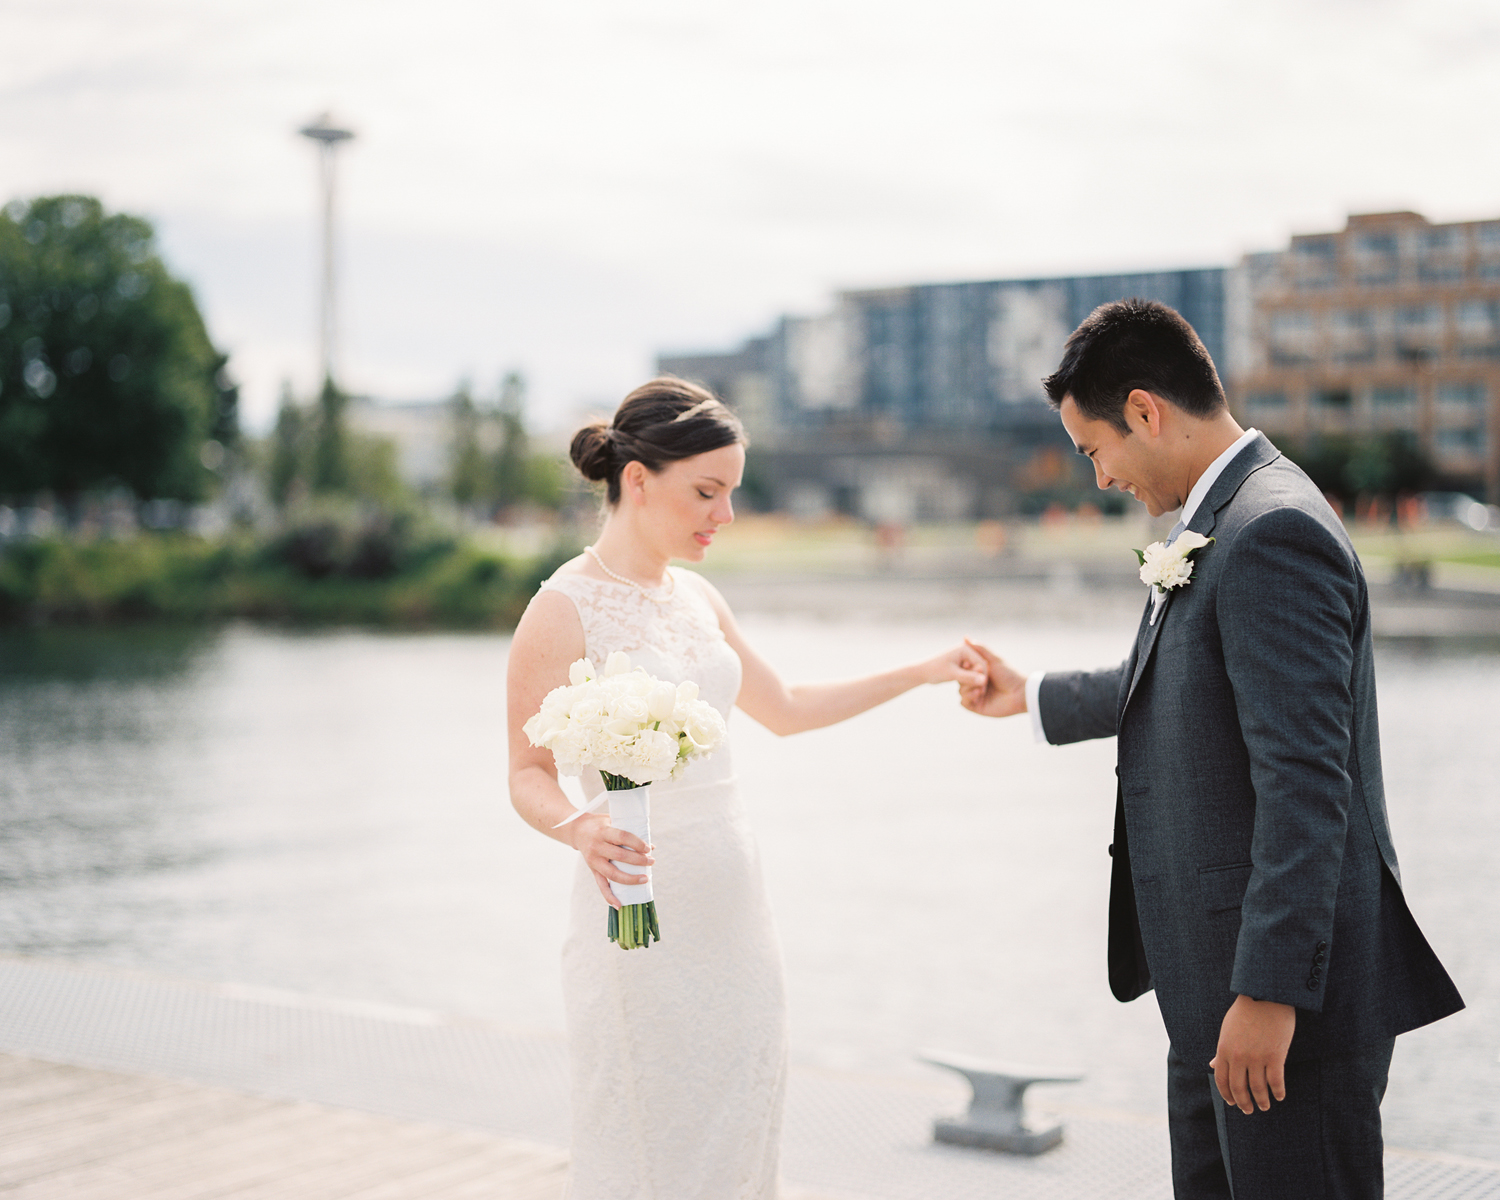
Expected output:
(599, 842)
(961, 665)
(1003, 691)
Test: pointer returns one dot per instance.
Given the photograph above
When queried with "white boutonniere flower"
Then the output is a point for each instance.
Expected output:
(1165, 567)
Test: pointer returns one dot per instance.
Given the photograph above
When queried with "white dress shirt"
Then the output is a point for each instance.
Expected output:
(1184, 518)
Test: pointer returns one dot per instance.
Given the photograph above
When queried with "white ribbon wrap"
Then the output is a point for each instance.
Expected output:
(630, 810)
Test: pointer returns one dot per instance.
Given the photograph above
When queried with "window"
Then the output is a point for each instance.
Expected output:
(1393, 397)
(1376, 257)
(1315, 261)
(1333, 399)
(1265, 402)
(1487, 244)
(1461, 396)
(1351, 334)
(1419, 330)
(1461, 442)
(1293, 336)
(1441, 254)
(1477, 324)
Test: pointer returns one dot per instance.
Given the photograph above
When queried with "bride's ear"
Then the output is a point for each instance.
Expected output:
(633, 481)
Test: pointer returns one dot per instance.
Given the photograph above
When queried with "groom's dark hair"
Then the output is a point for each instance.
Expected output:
(1131, 344)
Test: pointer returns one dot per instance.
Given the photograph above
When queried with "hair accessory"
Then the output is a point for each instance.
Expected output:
(695, 410)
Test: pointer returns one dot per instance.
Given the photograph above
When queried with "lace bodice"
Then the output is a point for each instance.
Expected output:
(674, 634)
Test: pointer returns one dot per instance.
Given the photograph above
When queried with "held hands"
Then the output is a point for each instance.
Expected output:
(1250, 1066)
(599, 842)
(1002, 690)
(961, 665)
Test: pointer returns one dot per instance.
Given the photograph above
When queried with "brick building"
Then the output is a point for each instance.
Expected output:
(1391, 324)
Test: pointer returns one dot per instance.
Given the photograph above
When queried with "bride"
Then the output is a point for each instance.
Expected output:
(677, 1051)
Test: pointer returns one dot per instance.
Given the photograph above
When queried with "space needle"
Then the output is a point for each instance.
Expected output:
(328, 136)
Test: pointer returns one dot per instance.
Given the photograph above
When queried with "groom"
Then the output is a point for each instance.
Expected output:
(1254, 884)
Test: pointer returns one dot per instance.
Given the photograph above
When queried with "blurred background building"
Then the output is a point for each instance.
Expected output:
(1391, 325)
(925, 402)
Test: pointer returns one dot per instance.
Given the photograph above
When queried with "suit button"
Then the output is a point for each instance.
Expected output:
(1322, 945)
(1312, 985)
(1111, 849)
(1319, 957)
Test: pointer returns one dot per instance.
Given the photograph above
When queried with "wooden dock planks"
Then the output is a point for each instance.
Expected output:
(73, 1133)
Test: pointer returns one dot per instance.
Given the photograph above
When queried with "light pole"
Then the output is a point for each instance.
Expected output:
(328, 136)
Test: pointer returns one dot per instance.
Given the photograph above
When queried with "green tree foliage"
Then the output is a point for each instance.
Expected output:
(107, 374)
(330, 460)
(313, 454)
(288, 448)
(491, 464)
(1385, 465)
(512, 474)
(467, 469)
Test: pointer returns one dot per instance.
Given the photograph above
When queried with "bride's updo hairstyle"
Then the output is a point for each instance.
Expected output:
(658, 423)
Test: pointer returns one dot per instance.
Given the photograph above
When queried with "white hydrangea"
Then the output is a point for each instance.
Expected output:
(625, 722)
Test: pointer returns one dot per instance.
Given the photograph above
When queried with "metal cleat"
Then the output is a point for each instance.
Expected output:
(996, 1119)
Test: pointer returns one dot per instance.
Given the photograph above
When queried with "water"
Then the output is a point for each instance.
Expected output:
(327, 813)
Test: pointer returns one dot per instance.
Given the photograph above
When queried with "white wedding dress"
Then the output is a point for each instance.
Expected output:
(678, 1050)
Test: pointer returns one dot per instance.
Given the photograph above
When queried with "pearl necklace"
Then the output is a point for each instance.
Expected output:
(640, 587)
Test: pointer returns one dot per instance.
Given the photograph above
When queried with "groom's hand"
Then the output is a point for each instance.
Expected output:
(1003, 693)
(1250, 1066)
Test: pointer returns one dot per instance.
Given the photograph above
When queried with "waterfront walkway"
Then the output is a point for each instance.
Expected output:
(121, 1086)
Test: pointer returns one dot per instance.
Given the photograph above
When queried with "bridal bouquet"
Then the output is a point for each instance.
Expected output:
(637, 730)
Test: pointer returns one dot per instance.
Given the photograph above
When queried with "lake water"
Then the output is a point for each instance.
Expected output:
(327, 813)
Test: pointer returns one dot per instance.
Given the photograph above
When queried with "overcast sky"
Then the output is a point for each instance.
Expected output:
(568, 186)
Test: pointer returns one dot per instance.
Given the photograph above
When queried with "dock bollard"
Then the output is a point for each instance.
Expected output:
(996, 1119)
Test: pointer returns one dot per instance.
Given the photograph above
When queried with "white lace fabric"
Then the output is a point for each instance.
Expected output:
(678, 1051)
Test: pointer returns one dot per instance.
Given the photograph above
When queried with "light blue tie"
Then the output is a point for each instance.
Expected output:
(1160, 598)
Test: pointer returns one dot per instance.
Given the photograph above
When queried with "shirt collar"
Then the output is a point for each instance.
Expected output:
(1211, 476)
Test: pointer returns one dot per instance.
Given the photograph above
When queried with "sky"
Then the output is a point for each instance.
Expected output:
(568, 187)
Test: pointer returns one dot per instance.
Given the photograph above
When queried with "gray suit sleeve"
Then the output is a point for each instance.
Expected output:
(1288, 602)
(1077, 705)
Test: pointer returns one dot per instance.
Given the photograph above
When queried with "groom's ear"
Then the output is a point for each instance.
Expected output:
(1143, 412)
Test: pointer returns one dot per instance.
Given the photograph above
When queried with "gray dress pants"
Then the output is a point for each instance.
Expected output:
(1322, 1142)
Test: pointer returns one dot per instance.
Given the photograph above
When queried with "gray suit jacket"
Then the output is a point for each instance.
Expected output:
(1252, 853)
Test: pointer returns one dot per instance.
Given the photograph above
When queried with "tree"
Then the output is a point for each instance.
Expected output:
(1387, 464)
(513, 457)
(287, 449)
(466, 467)
(330, 465)
(107, 374)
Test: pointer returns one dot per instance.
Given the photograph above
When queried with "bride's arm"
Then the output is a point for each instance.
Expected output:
(548, 639)
(790, 708)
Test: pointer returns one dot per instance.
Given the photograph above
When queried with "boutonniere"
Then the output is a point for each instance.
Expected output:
(1166, 567)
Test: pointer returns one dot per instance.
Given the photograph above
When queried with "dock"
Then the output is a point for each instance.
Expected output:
(116, 1085)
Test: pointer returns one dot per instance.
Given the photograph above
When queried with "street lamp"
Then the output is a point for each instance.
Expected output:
(328, 136)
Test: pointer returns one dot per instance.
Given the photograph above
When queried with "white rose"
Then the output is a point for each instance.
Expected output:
(687, 692)
(704, 727)
(633, 709)
(618, 663)
(587, 708)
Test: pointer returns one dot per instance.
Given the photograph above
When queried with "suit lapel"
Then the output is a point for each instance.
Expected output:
(1254, 456)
